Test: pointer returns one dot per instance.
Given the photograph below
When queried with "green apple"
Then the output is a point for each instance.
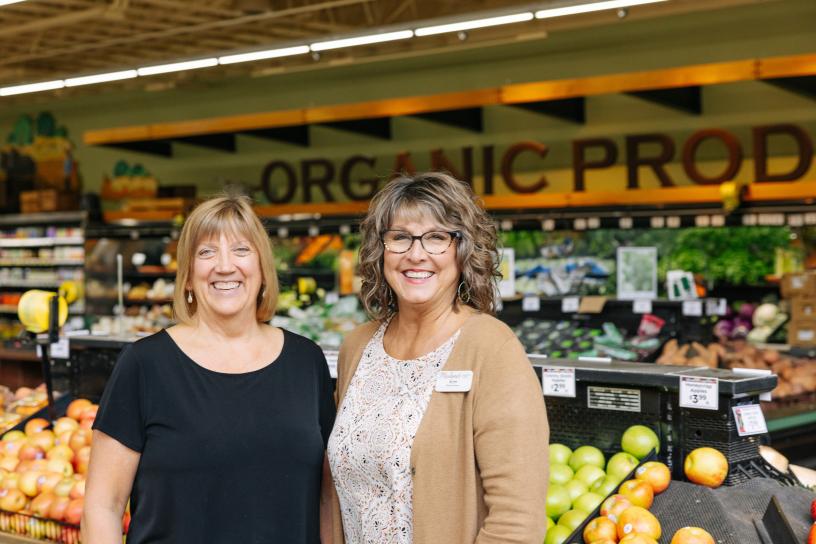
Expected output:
(559, 453)
(557, 535)
(587, 455)
(558, 501)
(589, 474)
(605, 486)
(588, 502)
(560, 474)
(550, 523)
(571, 519)
(576, 487)
(621, 464)
(639, 440)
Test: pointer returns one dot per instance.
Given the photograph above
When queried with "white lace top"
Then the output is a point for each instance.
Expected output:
(370, 447)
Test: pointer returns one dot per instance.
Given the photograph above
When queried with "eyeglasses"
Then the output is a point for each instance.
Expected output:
(434, 242)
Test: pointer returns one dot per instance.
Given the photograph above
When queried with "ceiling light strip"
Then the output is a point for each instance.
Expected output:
(362, 40)
(263, 55)
(32, 87)
(178, 66)
(589, 8)
(100, 78)
(475, 23)
(9, 2)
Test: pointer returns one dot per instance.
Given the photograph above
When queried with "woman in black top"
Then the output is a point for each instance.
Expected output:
(215, 428)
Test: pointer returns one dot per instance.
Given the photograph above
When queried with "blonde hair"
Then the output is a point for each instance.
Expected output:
(233, 214)
(452, 204)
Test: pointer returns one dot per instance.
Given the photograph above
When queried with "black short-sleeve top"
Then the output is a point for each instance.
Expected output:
(225, 458)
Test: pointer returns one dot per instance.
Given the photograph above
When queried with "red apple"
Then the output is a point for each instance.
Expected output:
(638, 520)
(13, 501)
(65, 424)
(57, 510)
(11, 448)
(76, 408)
(36, 425)
(655, 474)
(9, 463)
(692, 535)
(89, 412)
(73, 513)
(706, 466)
(83, 459)
(41, 504)
(614, 506)
(80, 438)
(639, 493)
(45, 439)
(60, 451)
(29, 482)
(31, 452)
(11, 481)
(78, 491)
(61, 467)
(50, 481)
(600, 529)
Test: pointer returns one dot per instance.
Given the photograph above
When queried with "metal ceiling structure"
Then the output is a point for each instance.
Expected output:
(41, 40)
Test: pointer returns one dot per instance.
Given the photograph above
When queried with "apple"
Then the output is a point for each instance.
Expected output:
(11, 448)
(638, 492)
(587, 455)
(571, 519)
(12, 436)
(9, 463)
(576, 488)
(126, 522)
(60, 451)
(61, 467)
(78, 490)
(638, 520)
(550, 523)
(89, 412)
(13, 501)
(65, 424)
(706, 466)
(58, 506)
(692, 535)
(49, 481)
(640, 440)
(600, 529)
(11, 481)
(621, 464)
(45, 439)
(559, 454)
(63, 488)
(614, 506)
(589, 474)
(558, 501)
(656, 474)
(41, 504)
(83, 459)
(36, 425)
(73, 512)
(605, 486)
(560, 474)
(80, 438)
(31, 452)
(557, 535)
(588, 502)
(637, 538)
(76, 408)
(29, 482)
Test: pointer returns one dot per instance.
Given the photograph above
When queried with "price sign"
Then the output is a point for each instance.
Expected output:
(692, 308)
(698, 392)
(558, 381)
(716, 306)
(642, 306)
(332, 297)
(749, 420)
(530, 303)
(570, 305)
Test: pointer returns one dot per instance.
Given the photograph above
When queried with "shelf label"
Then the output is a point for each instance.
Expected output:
(692, 308)
(642, 306)
(60, 349)
(531, 303)
(716, 306)
(558, 381)
(750, 420)
(613, 398)
(332, 297)
(570, 305)
(698, 392)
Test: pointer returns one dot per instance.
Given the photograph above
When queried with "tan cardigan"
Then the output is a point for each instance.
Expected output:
(479, 459)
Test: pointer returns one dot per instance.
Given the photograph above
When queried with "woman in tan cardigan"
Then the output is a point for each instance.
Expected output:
(441, 434)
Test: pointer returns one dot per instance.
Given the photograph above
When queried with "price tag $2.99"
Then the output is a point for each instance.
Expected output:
(558, 381)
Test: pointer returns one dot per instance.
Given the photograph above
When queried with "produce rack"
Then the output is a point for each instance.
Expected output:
(36, 529)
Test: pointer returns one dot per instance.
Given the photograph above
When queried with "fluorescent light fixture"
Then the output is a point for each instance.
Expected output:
(177, 66)
(590, 7)
(475, 23)
(362, 40)
(7, 2)
(32, 87)
(267, 54)
(100, 78)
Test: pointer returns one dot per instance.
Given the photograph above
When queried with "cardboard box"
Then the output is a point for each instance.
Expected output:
(49, 200)
(29, 201)
(798, 284)
(803, 308)
(802, 333)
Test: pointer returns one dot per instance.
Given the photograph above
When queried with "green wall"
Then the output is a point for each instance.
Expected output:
(780, 27)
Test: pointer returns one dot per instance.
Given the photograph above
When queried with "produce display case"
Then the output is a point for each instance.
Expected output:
(38, 528)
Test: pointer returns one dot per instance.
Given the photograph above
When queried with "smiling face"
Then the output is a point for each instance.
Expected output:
(226, 277)
(418, 278)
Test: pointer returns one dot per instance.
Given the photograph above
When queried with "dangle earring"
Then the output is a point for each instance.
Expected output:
(464, 297)
(189, 297)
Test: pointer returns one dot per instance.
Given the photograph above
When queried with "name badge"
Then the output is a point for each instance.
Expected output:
(457, 381)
